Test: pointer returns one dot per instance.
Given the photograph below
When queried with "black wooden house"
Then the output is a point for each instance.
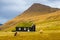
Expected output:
(26, 29)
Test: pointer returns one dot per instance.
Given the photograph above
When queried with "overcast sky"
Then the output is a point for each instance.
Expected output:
(11, 8)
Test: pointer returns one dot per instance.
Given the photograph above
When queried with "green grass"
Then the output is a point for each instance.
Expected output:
(24, 24)
(48, 25)
(32, 36)
(51, 31)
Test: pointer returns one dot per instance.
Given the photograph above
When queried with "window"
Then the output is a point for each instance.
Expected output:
(19, 28)
(24, 28)
(28, 30)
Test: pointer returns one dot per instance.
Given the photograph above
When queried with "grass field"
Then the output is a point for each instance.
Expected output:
(51, 31)
(46, 35)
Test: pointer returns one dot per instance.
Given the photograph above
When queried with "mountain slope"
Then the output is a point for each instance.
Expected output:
(38, 13)
(41, 8)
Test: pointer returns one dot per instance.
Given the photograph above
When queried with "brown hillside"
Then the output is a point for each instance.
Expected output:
(36, 13)
(41, 8)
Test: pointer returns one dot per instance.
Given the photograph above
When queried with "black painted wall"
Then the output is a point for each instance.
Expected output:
(26, 28)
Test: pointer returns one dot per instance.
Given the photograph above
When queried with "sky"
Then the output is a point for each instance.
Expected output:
(12, 8)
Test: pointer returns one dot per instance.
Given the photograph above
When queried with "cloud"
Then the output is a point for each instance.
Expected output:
(15, 5)
(56, 3)
(11, 8)
(52, 3)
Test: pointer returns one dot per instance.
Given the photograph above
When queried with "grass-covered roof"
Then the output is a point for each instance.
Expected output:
(25, 24)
